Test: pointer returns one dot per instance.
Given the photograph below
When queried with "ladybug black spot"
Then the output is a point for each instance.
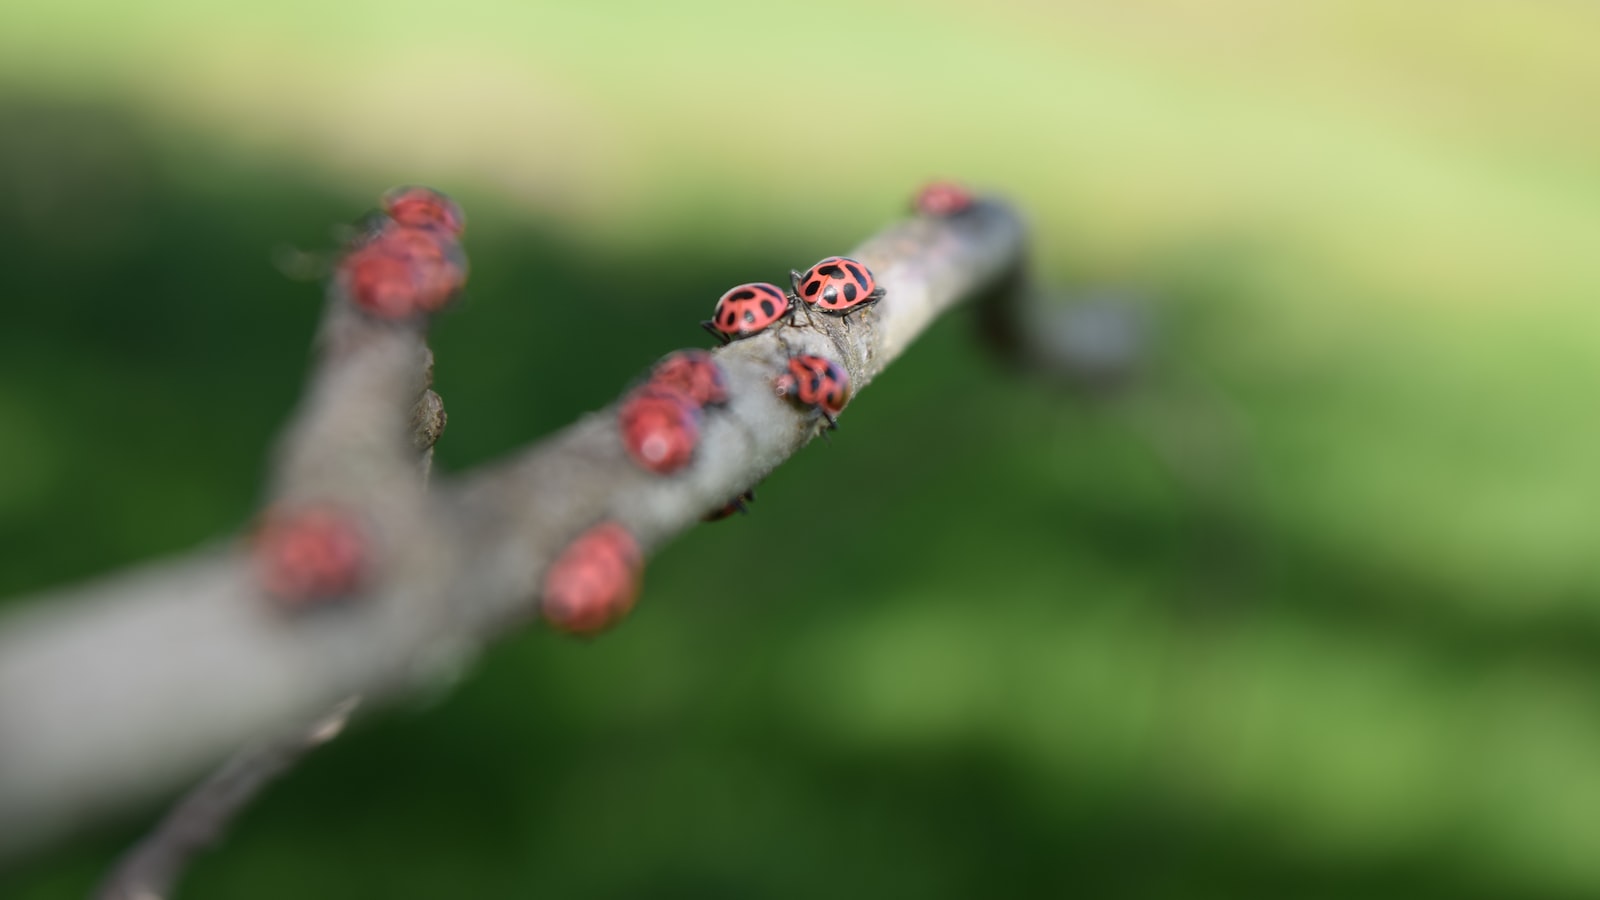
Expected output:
(767, 308)
(771, 291)
(728, 320)
(831, 295)
(744, 295)
(850, 293)
(829, 271)
(812, 288)
(749, 317)
(856, 273)
(816, 383)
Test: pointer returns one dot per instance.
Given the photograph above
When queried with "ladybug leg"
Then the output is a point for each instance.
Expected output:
(872, 298)
(827, 433)
(711, 327)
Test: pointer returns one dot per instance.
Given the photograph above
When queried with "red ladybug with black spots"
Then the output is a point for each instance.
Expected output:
(942, 198)
(308, 555)
(748, 310)
(399, 272)
(592, 585)
(816, 382)
(420, 207)
(694, 374)
(837, 285)
(660, 428)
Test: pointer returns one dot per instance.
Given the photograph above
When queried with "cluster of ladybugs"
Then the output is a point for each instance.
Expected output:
(409, 260)
(409, 263)
(659, 420)
(594, 582)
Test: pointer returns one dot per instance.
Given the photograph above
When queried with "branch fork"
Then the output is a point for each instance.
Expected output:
(115, 692)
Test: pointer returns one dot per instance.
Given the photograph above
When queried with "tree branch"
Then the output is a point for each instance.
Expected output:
(150, 870)
(116, 692)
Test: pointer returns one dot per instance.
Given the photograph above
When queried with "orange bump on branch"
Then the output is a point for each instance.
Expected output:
(592, 585)
(305, 556)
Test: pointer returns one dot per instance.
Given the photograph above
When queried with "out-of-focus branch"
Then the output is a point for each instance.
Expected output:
(1093, 342)
(118, 691)
(151, 869)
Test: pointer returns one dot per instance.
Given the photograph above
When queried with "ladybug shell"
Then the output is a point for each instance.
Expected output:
(693, 373)
(817, 382)
(749, 309)
(836, 284)
(420, 207)
(399, 272)
(592, 585)
(660, 428)
(942, 198)
(308, 555)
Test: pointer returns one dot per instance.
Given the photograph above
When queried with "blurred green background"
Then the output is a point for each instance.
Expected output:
(1314, 610)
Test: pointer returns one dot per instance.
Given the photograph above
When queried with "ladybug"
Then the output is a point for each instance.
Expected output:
(941, 198)
(304, 557)
(593, 583)
(837, 285)
(736, 505)
(819, 383)
(748, 309)
(660, 428)
(399, 272)
(420, 207)
(694, 374)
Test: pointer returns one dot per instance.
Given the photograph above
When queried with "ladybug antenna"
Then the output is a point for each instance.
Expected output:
(794, 280)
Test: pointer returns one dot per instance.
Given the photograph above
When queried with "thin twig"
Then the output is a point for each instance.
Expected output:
(151, 869)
